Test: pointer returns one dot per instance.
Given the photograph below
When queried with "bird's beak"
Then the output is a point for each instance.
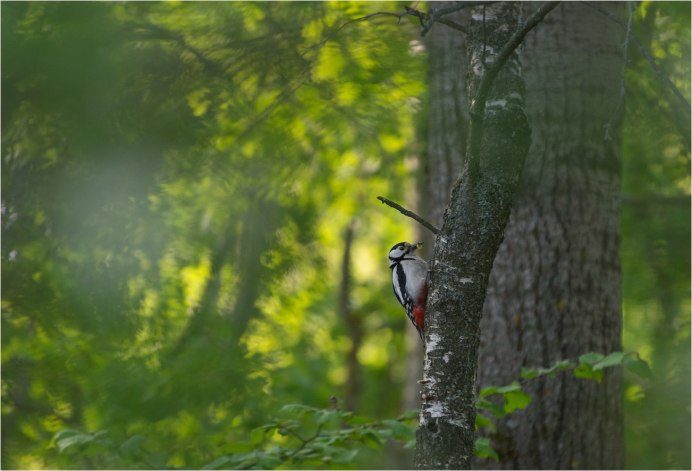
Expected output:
(417, 245)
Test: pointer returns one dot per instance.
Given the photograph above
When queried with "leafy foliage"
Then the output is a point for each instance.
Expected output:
(176, 179)
(303, 436)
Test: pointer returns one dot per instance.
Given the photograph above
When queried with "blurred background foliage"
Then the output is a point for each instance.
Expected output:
(179, 183)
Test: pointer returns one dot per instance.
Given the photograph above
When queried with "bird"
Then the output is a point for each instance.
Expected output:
(409, 281)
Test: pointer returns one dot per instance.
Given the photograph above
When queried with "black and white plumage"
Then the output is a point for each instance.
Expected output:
(409, 273)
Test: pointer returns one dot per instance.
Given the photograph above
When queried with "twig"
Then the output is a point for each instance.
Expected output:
(304, 441)
(371, 15)
(152, 31)
(478, 106)
(660, 74)
(410, 214)
(625, 50)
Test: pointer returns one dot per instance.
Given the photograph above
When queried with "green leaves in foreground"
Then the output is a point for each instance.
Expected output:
(495, 402)
(591, 365)
(301, 436)
(313, 437)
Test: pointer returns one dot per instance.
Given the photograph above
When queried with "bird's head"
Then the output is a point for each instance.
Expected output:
(402, 249)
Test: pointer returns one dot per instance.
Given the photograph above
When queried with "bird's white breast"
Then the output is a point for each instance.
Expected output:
(416, 270)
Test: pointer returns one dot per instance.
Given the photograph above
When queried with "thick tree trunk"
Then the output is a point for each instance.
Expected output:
(448, 114)
(554, 292)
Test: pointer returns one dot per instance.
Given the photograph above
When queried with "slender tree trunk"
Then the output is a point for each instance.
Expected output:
(352, 322)
(466, 246)
(554, 292)
(443, 160)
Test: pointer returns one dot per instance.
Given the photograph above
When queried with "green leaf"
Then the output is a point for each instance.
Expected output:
(531, 373)
(496, 410)
(516, 400)
(484, 449)
(372, 440)
(639, 367)
(613, 359)
(218, 462)
(483, 421)
(586, 371)
(590, 358)
(268, 461)
(515, 386)
(257, 435)
(490, 390)
(238, 447)
(400, 430)
(344, 456)
(68, 438)
(325, 415)
(297, 410)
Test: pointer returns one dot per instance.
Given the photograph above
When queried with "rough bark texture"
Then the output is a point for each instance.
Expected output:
(464, 252)
(554, 292)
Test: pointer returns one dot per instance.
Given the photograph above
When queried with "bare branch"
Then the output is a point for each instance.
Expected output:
(436, 16)
(410, 214)
(452, 24)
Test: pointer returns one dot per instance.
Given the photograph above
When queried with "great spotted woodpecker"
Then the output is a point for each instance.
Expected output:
(409, 273)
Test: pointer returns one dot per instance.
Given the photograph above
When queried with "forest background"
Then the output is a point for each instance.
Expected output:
(181, 184)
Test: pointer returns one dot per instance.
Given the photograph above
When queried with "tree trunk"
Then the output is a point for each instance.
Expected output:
(448, 114)
(352, 322)
(554, 292)
(466, 246)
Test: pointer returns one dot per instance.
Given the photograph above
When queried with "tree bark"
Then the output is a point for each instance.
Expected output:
(473, 227)
(554, 292)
